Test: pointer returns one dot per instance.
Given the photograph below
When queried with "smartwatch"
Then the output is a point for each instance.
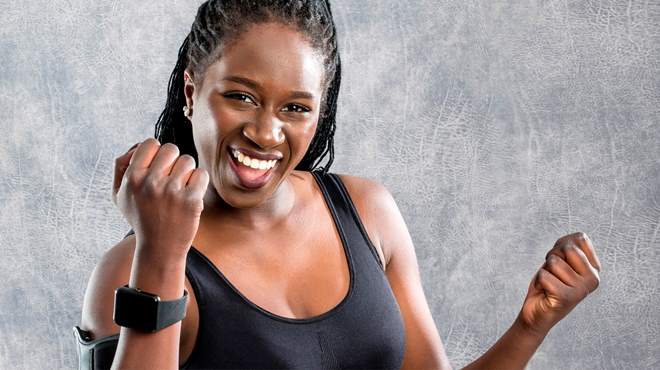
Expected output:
(137, 309)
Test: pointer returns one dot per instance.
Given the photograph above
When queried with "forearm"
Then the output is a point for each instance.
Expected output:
(512, 351)
(159, 350)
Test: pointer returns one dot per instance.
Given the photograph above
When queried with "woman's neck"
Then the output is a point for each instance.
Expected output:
(264, 216)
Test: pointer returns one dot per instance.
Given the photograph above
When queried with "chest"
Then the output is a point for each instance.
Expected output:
(317, 297)
(361, 327)
(298, 270)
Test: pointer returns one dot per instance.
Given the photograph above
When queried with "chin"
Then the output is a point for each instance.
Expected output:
(244, 198)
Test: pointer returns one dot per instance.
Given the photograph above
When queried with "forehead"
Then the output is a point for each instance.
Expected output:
(274, 55)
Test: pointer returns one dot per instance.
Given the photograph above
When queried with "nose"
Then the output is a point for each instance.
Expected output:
(265, 130)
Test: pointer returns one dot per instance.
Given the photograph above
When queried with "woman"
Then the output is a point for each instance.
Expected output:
(280, 264)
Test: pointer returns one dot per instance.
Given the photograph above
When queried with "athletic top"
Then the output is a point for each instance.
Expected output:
(364, 331)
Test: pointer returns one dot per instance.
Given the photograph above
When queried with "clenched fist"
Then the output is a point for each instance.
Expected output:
(160, 193)
(569, 274)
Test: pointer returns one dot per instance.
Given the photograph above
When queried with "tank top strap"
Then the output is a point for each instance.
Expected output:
(341, 205)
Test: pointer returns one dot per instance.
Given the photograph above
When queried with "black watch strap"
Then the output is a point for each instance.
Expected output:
(172, 311)
(137, 309)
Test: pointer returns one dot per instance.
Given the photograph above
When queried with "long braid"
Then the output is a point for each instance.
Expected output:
(323, 142)
(172, 125)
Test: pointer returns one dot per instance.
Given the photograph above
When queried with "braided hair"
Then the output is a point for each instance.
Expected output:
(220, 22)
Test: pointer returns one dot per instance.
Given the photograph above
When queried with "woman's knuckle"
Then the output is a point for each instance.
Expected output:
(133, 180)
(191, 201)
(584, 292)
(170, 147)
(150, 185)
(594, 282)
(187, 160)
(558, 243)
(151, 141)
(568, 247)
(172, 188)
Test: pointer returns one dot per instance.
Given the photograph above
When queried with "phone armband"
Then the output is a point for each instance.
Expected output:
(96, 354)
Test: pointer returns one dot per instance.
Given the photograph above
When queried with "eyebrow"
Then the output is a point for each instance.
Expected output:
(255, 86)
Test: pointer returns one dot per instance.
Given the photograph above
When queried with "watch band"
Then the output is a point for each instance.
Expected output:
(137, 309)
(172, 311)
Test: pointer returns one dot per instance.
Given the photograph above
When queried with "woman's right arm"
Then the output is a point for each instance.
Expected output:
(124, 264)
(164, 277)
(160, 193)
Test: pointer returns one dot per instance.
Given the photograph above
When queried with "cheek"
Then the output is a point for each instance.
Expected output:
(310, 130)
(205, 133)
(216, 125)
(305, 136)
(226, 119)
(208, 131)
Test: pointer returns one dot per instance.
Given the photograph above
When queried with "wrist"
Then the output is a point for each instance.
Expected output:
(513, 350)
(523, 330)
(158, 273)
(164, 255)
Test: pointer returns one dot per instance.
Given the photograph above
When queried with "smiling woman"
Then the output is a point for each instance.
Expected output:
(266, 89)
(245, 254)
(208, 41)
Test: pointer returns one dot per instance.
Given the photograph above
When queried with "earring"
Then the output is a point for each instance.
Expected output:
(187, 112)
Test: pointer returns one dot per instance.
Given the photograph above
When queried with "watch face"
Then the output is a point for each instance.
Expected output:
(135, 309)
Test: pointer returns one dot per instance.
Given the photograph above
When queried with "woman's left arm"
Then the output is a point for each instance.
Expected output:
(570, 272)
(568, 275)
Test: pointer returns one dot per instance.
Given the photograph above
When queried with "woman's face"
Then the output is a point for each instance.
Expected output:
(262, 99)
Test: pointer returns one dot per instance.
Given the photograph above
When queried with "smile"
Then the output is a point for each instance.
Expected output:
(253, 163)
(251, 173)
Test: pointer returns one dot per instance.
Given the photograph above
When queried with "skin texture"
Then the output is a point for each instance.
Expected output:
(241, 230)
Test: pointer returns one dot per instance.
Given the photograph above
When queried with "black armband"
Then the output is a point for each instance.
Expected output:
(95, 354)
(128, 233)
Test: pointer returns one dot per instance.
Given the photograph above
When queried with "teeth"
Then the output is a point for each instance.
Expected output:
(253, 162)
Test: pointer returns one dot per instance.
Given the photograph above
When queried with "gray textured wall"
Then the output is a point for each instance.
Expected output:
(499, 126)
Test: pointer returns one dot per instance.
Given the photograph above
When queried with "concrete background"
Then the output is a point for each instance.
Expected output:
(498, 126)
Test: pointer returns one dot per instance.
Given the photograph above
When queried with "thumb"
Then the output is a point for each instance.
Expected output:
(121, 164)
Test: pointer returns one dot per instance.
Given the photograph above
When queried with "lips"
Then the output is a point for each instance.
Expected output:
(253, 154)
(248, 177)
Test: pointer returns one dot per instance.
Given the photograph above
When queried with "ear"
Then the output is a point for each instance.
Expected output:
(188, 88)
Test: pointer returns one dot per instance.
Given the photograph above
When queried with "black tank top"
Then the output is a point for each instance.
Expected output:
(364, 331)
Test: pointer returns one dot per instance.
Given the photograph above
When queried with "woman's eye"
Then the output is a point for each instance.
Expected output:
(296, 108)
(242, 97)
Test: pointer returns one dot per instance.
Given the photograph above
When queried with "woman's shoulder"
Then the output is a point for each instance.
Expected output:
(358, 187)
(362, 186)
(365, 193)
(380, 213)
(371, 198)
